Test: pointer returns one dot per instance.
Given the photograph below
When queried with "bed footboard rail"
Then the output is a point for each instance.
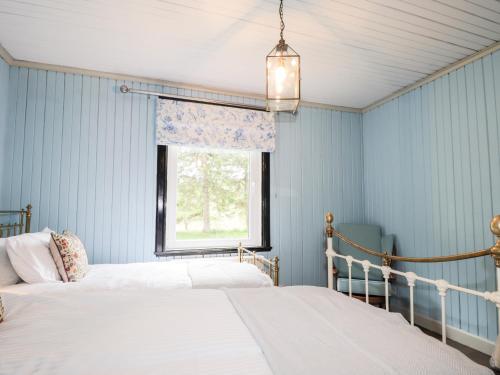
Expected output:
(442, 286)
(268, 266)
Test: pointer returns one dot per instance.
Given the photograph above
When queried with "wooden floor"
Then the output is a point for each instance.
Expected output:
(473, 354)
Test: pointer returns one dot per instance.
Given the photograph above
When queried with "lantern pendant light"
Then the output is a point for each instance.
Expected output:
(283, 75)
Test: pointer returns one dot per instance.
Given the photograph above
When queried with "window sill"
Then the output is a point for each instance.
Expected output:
(208, 251)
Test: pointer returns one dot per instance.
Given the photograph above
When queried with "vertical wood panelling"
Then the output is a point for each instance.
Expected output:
(309, 177)
(84, 155)
(6, 129)
(432, 166)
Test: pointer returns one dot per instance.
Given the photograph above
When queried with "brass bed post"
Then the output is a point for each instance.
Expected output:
(28, 219)
(330, 253)
(21, 221)
(495, 254)
(276, 270)
(495, 249)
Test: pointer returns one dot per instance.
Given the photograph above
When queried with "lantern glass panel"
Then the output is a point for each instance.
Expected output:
(283, 81)
(278, 105)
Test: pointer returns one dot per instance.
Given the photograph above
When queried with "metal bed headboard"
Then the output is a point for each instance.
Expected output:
(268, 266)
(442, 286)
(22, 223)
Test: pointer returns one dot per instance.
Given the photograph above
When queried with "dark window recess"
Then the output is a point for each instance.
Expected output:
(161, 211)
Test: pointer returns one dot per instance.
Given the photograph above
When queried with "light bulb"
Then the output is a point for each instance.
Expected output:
(280, 75)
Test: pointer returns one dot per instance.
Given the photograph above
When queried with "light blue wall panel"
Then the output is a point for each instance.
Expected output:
(85, 157)
(317, 167)
(5, 129)
(432, 177)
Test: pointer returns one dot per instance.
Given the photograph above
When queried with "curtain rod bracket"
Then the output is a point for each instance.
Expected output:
(124, 89)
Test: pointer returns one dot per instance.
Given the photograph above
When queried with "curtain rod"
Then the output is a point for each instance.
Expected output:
(126, 90)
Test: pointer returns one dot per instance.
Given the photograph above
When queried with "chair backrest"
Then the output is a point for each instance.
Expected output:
(366, 235)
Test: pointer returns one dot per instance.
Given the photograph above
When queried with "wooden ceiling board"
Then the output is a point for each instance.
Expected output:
(354, 52)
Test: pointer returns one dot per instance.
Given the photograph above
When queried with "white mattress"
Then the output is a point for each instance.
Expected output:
(178, 274)
(128, 332)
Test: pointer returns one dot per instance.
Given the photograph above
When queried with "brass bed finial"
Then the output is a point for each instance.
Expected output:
(329, 224)
(495, 229)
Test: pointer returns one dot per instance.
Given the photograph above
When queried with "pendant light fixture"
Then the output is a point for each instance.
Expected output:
(283, 75)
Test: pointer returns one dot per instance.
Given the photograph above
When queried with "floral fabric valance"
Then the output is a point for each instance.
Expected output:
(206, 125)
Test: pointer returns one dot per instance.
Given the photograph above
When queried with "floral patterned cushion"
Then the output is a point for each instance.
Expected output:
(2, 311)
(73, 263)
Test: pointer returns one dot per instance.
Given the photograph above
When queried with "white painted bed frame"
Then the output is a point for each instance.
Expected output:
(442, 286)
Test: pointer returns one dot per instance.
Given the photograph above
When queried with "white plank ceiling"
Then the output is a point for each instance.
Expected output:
(354, 52)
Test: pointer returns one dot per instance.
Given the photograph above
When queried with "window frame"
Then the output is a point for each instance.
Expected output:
(254, 201)
(161, 212)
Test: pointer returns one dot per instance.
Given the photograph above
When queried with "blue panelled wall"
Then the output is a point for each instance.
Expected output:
(84, 155)
(432, 177)
(4, 128)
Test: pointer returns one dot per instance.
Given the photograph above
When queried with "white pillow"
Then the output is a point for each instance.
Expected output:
(30, 256)
(7, 274)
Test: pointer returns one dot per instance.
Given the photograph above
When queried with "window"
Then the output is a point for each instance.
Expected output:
(210, 199)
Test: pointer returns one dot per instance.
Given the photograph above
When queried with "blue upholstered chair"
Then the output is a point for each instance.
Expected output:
(369, 236)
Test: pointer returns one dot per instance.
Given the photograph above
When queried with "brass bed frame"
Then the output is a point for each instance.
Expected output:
(493, 251)
(267, 266)
(22, 224)
(442, 286)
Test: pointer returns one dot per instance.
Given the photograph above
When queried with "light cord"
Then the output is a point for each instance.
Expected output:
(282, 23)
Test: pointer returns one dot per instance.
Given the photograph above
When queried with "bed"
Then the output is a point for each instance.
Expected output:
(288, 330)
(246, 269)
(177, 274)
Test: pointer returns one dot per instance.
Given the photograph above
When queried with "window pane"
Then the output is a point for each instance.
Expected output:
(212, 194)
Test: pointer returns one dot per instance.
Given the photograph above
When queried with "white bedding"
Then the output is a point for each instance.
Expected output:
(129, 332)
(311, 330)
(177, 274)
(299, 330)
(214, 274)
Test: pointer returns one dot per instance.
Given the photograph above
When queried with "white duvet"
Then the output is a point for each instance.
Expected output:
(126, 332)
(216, 274)
(178, 274)
(311, 330)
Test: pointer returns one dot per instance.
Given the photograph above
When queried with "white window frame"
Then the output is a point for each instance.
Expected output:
(254, 209)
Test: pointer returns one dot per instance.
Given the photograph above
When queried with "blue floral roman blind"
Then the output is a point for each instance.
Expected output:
(205, 125)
